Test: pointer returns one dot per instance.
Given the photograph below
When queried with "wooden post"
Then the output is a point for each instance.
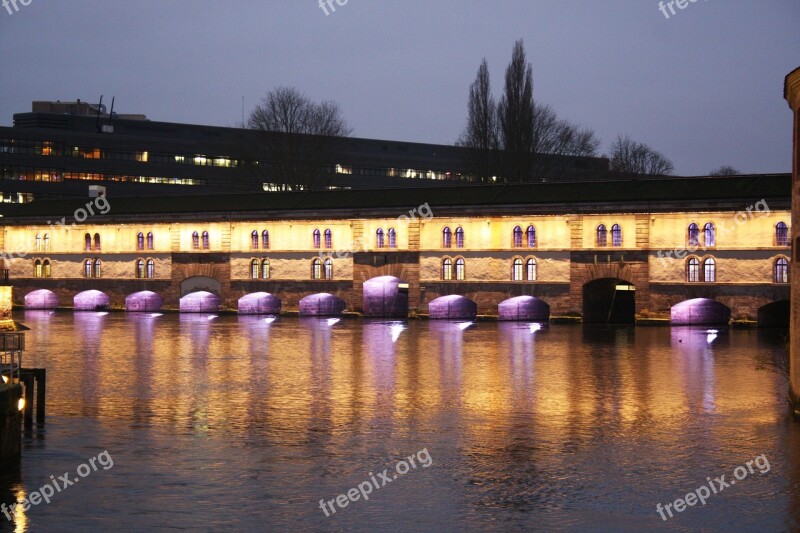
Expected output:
(28, 412)
(41, 389)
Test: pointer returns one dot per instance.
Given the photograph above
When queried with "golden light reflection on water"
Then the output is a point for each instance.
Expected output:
(297, 377)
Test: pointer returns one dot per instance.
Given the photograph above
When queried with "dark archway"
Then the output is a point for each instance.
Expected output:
(609, 301)
(200, 283)
(775, 315)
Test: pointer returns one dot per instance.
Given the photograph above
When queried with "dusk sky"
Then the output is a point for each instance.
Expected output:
(704, 87)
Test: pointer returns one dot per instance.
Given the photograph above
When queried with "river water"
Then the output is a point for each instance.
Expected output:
(238, 424)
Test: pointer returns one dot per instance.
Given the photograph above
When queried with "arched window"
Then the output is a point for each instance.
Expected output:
(602, 236)
(195, 241)
(459, 237)
(254, 265)
(87, 240)
(46, 243)
(781, 234)
(151, 269)
(97, 273)
(46, 272)
(530, 269)
(139, 268)
(206, 242)
(37, 268)
(782, 270)
(150, 243)
(316, 269)
(254, 240)
(447, 238)
(517, 237)
(460, 266)
(447, 269)
(87, 268)
(516, 266)
(616, 235)
(709, 235)
(327, 272)
(710, 270)
(265, 240)
(328, 238)
(379, 242)
(392, 238)
(694, 235)
(38, 243)
(317, 243)
(531, 231)
(140, 241)
(265, 269)
(97, 241)
(693, 270)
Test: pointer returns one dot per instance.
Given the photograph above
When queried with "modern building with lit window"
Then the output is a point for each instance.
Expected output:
(59, 148)
(690, 250)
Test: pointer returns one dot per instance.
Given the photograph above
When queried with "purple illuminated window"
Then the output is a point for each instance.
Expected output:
(616, 235)
(781, 234)
(254, 240)
(97, 241)
(140, 241)
(459, 237)
(139, 268)
(151, 269)
(206, 242)
(531, 237)
(392, 238)
(517, 238)
(447, 238)
(265, 239)
(150, 244)
(694, 234)
(317, 239)
(379, 240)
(602, 236)
(328, 238)
(709, 235)
(782, 270)
(195, 241)
(87, 268)
(87, 241)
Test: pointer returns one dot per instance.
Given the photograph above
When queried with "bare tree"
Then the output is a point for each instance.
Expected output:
(561, 137)
(302, 130)
(724, 170)
(480, 133)
(629, 157)
(515, 116)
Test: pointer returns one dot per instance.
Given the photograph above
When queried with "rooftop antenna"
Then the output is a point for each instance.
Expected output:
(111, 113)
(99, 107)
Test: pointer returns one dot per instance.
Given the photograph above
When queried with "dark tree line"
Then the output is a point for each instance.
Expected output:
(516, 137)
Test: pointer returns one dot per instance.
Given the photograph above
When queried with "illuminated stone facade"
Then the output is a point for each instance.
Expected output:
(488, 259)
(792, 94)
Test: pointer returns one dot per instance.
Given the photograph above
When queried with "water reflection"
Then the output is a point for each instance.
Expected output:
(528, 424)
